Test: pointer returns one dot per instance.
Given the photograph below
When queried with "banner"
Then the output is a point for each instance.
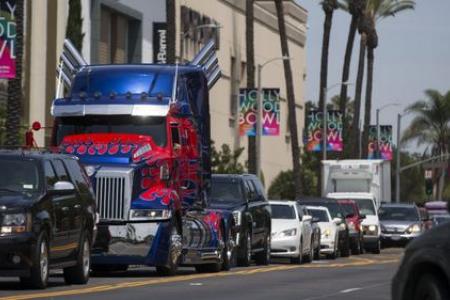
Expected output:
(159, 43)
(7, 39)
(270, 112)
(385, 142)
(313, 131)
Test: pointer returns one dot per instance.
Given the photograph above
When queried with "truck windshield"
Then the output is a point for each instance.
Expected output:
(23, 175)
(154, 127)
(366, 206)
(320, 214)
(226, 191)
(280, 211)
(398, 214)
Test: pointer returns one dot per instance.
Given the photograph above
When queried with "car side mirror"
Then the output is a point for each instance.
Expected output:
(337, 221)
(62, 187)
(306, 218)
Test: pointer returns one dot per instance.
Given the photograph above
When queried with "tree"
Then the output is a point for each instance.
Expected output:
(430, 126)
(328, 7)
(375, 11)
(14, 102)
(292, 117)
(250, 57)
(226, 161)
(171, 30)
(74, 24)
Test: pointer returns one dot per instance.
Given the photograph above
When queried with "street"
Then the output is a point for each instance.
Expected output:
(366, 276)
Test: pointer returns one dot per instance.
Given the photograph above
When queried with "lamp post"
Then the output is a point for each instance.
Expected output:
(184, 34)
(377, 153)
(325, 117)
(259, 113)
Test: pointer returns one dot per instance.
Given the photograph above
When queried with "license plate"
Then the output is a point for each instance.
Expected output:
(396, 237)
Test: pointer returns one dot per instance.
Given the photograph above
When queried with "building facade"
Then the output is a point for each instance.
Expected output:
(134, 31)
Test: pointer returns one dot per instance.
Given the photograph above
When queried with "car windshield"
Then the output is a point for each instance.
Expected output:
(281, 211)
(398, 214)
(226, 191)
(22, 175)
(319, 214)
(154, 127)
(366, 206)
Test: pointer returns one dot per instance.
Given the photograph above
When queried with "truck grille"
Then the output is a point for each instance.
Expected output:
(113, 193)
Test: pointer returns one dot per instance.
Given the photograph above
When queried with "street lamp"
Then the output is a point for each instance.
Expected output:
(325, 116)
(184, 34)
(259, 112)
(377, 153)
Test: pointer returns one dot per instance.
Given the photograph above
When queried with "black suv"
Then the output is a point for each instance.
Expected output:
(47, 217)
(243, 195)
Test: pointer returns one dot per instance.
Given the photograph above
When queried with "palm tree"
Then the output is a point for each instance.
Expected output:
(14, 102)
(431, 125)
(250, 57)
(292, 117)
(377, 10)
(171, 30)
(328, 6)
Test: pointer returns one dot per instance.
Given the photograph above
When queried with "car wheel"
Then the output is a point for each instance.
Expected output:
(263, 257)
(40, 269)
(299, 258)
(175, 248)
(245, 258)
(430, 287)
(79, 274)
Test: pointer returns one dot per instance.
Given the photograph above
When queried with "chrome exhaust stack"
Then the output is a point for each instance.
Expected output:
(71, 62)
(208, 61)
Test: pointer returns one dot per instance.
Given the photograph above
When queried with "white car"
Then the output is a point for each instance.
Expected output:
(328, 228)
(291, 232)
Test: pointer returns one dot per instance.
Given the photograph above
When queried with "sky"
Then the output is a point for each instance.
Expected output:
(413, 55)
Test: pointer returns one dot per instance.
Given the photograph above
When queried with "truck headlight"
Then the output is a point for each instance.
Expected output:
(16, 223)
(414, 229)
(150, 214)
(289, 232)
(372, 228)
(237, 217)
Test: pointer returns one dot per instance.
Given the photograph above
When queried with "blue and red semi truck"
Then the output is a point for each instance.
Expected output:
(143, 133)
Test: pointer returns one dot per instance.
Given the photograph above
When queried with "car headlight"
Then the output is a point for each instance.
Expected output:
(237, 217)
(372, 228)
(289, 232)
(150, 214)
(414, 229)
(16, 223)
(326, 232)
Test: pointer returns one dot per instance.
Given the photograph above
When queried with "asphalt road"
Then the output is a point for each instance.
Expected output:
(357, 277)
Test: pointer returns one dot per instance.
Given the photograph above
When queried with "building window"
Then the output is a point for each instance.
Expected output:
(118, 42)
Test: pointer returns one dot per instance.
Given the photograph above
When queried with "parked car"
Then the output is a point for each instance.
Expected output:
(316, 233)
(424, 272)
(244, 196)
(329, 229)
(48, 217)
(354, 219)
(338, 215)
(292, 234)
(400, 223)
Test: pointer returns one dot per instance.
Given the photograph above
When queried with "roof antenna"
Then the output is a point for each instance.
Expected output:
(175, 84)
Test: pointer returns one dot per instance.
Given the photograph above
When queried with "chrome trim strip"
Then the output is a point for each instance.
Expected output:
(76, 110)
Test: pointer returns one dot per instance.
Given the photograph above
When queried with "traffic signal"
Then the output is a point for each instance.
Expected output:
(429, 186)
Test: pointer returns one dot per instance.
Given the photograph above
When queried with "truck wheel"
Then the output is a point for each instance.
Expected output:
(175, 248)
(40, 269)
(263, 257)
(245, 256)
(79, 274)
(430, 287)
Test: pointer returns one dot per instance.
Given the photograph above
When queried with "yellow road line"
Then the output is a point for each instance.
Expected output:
(122, 285)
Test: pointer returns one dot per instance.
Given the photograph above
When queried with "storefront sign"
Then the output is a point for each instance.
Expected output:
(270, 112)
(160, 43)
(7, 38)
(385, 142)
(314, 130)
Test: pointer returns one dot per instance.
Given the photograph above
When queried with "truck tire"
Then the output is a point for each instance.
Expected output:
(173, 259)
(39, 271)
(79, 274)
(430, 287)
(263, 257)
(245, 253)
